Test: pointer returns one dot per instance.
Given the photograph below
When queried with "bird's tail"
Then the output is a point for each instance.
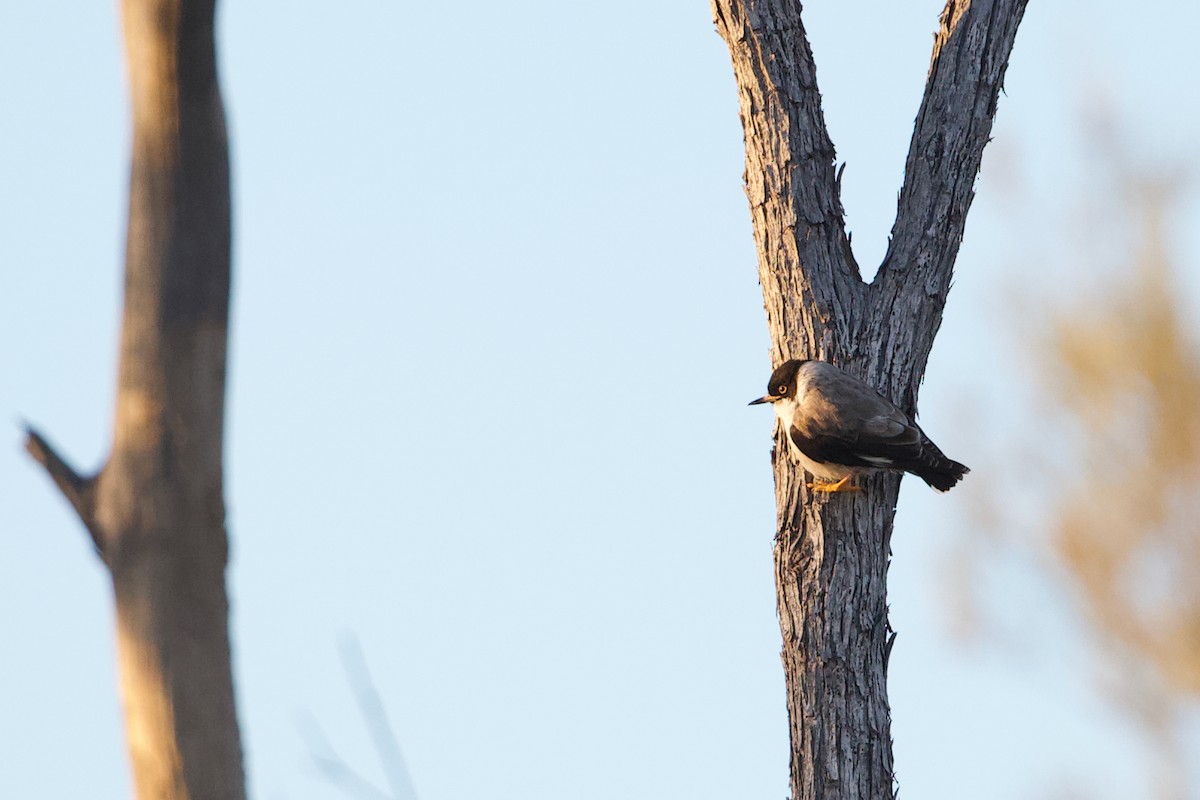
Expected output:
(936, 469)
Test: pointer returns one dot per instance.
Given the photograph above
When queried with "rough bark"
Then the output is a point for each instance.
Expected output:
(832, 551)
(155, 512)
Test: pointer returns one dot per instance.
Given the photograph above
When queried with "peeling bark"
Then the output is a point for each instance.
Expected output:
(832, 551)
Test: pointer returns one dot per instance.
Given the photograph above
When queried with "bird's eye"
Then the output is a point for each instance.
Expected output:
(781, 389)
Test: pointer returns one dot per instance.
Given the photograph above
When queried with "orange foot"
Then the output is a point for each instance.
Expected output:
(843, 485)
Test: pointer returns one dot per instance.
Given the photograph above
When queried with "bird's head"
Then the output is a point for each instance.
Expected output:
(782, 385)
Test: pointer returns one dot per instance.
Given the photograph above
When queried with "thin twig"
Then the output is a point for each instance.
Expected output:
(333, 767)
(370, 705)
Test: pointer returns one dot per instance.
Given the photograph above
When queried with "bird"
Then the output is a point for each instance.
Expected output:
(838, 427)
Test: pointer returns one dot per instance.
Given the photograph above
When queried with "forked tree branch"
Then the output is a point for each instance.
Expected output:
(954, 124)
(791, 181)
(831, 554)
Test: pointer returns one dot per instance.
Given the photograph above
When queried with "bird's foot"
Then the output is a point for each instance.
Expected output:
(844, 485)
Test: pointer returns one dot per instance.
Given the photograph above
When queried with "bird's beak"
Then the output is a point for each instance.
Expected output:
(764, 399)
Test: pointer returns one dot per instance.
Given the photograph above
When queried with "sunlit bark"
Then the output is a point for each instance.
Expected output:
(155, 511)
(832, 551)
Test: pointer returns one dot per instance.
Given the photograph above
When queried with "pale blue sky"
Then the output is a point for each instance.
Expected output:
(480, 251)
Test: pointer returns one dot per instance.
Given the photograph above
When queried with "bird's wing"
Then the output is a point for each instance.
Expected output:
(841, 420)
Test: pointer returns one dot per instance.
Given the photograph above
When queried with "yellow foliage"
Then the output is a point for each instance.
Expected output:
(1127, 374)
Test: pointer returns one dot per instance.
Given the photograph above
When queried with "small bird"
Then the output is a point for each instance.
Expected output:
(838, 427)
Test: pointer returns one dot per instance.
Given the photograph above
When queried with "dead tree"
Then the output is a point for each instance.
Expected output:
(155, 511)
(831, 551)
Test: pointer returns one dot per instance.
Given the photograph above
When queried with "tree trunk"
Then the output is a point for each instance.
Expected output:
(832, 550)
(156, 510)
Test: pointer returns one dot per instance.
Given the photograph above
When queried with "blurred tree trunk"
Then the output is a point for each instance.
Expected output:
(156, 510)
(831, 552)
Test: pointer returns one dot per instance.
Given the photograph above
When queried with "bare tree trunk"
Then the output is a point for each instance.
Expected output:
(832, 550)
(156, 510)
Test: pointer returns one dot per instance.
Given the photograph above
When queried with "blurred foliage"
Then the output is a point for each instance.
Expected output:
(1125, 375)
(1117, 402)
(1128, 376)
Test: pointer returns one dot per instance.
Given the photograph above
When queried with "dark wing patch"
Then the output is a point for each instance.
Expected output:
(845, 421)
(854, 448)
(918, 455)
(841, 420)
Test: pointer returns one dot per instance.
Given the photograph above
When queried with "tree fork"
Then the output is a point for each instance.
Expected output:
(156, 510)
(831, 552)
